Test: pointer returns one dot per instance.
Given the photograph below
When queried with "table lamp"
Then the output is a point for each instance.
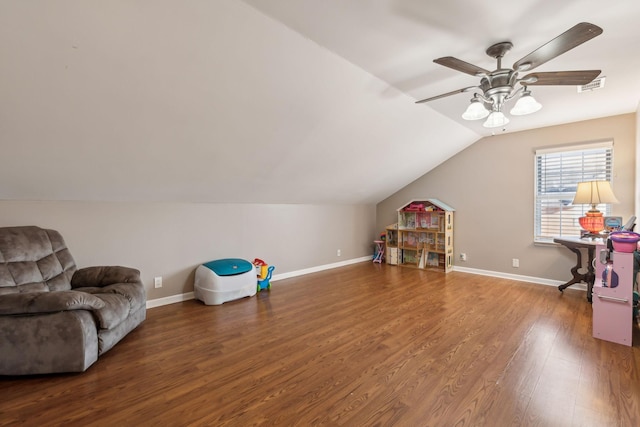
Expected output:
(593, 193)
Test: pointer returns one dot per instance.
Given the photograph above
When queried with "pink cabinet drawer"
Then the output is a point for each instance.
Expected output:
(612, 315)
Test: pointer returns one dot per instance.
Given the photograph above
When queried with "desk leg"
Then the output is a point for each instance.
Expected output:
(589, 277)
(577, 277)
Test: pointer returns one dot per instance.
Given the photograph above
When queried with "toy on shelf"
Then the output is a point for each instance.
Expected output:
(414, 207)
(264, 272)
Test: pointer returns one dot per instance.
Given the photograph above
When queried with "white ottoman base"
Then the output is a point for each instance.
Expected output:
(213, 289)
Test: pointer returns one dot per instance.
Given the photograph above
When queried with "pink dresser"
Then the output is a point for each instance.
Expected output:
(613, 307)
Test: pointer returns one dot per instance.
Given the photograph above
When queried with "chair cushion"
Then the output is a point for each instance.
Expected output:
(33, 259)
(116, 309)
(134, 293)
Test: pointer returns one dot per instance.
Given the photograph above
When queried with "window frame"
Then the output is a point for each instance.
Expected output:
(563, 167)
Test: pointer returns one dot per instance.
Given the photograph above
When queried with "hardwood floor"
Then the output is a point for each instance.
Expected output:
(363, 345)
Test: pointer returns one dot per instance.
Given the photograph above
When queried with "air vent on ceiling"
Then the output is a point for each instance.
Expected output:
(595, 84)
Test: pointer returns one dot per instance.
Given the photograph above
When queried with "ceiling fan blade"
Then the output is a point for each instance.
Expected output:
(571, 38)
(453, 92)
(572, 78)
(460, 65)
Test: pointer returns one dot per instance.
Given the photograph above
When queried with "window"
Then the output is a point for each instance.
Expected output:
(558, 172)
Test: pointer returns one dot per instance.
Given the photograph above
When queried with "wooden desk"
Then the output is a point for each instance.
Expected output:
(575, 244)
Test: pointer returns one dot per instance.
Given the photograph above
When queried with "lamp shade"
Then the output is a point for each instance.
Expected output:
(526, 104)
(593, 193)
(475, 111)
(495, 120)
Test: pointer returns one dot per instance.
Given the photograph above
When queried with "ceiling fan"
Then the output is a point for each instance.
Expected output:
(499, 86)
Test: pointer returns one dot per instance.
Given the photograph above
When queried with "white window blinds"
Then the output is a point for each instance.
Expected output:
(558, 172)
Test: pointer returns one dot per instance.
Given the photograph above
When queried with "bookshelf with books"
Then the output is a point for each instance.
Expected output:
(424, 235)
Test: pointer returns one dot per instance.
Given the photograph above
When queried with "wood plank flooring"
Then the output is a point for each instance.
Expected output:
(362, 345)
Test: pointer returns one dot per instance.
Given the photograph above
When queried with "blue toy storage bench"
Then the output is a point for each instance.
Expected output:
(223, 280)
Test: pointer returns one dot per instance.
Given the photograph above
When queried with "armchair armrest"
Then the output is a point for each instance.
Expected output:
(48, 302)
(104, 276)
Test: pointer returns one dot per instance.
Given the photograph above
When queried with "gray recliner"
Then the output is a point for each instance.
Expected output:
(53, 316)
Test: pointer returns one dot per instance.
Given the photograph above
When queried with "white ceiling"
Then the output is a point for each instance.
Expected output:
(279, 101)
(397, 41)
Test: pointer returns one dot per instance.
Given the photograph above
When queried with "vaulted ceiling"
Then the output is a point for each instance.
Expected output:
(397, 41)
(283, 101)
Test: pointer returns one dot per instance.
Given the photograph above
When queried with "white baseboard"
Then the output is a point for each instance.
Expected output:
(169, 300)
(518, 277)
(320, 268)
(189, 295)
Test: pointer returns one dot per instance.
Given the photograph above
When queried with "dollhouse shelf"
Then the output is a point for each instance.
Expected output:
(422, 237)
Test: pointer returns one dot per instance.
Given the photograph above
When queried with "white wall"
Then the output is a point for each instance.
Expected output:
(637, 193)
(172, 239)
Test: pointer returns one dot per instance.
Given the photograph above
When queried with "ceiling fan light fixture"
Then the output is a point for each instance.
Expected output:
(524, 66)
(496, 120)
(526, 104)
(475, 111)
(497, 87)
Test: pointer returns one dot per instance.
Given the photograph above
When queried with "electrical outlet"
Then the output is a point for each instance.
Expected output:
(515, 263)
(339, 252)
(157, 282)
(463, 257)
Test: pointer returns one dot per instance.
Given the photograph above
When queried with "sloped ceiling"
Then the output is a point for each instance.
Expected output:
(397, 41)
(197, 101)
(218, 101)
